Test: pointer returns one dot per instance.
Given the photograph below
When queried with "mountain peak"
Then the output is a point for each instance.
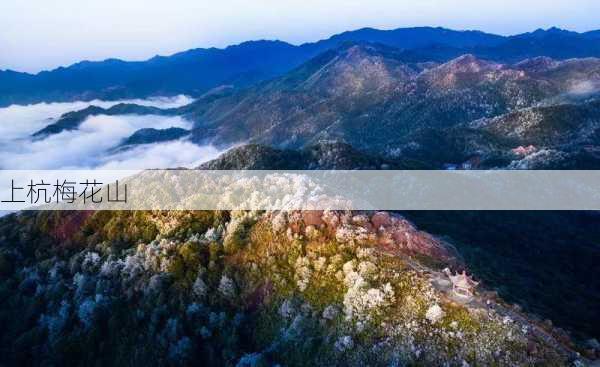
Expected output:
(557, 30)
(463, 71)
(469, 63)
(537, 64)
(466, 58)
(552, 31)
(353, 68)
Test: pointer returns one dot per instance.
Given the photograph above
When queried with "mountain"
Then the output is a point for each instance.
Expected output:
(297, 287)
(72, 120)
(563, 136)
(196, 71)
(548, 126)
(150, 136)
(555, 43)
(259, 288)
(68, 121)
(413, 38)
(298, 107)
(378, 100)
(371, 97)
(252, 288)
(515, 251)
(191, 72)
(375, 99)
(324, 155)
(592, 34)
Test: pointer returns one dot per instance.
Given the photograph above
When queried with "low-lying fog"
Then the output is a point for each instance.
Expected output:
(90, 145)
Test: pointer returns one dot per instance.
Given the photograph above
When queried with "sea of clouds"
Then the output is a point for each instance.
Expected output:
(90, 147)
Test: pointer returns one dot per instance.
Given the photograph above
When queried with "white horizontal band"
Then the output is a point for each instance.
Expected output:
(299, 190)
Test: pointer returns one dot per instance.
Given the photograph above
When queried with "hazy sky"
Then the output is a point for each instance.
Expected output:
(42, 34)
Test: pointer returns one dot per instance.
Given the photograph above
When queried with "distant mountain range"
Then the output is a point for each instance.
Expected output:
(197, 71)
(380, 101)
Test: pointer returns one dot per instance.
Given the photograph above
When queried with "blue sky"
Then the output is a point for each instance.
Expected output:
(42, 34)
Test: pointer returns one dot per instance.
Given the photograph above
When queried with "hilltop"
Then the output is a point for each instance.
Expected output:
(250, 288)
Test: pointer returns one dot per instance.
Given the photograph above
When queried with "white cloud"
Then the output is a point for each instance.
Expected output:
(19, 121)
(164, 155)
(90, 145)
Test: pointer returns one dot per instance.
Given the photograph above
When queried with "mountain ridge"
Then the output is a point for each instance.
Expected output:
(197, 70)
(370, 97)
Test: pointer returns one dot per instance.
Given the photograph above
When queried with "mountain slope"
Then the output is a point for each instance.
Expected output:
(554, 42)
(244, 288)
(325, 155)
(72, 120)
(150, 136)
(548, 126)
(371, 97)
(564, 136)
(514, 251)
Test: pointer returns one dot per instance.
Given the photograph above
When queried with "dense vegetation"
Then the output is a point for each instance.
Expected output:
(246, 288)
